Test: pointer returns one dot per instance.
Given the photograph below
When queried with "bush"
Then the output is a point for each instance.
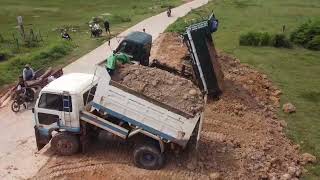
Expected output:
(280, 40)
(264, 39)
(306, 33)
(314, 44)
(5, 54)
(255, 39)
(250, 39)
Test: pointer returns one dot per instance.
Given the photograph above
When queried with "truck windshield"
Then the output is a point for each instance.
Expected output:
(55, 102)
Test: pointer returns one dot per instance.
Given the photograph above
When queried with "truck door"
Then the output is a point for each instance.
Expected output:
(54, 110)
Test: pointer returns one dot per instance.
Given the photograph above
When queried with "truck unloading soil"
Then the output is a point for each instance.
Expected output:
(162, 86)
(242, 138)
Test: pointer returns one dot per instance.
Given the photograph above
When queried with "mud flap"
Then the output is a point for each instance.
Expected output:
(41, 138)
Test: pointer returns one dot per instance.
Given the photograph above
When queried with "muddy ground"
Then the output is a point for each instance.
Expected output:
(242, 138)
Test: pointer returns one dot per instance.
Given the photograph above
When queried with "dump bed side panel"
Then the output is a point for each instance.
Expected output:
(142, 113)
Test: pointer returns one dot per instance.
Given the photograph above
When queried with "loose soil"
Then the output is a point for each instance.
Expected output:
(168, 49)
(242, 138)
(162, 86)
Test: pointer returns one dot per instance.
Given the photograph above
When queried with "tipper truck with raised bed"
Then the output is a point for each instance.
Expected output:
(77, 106)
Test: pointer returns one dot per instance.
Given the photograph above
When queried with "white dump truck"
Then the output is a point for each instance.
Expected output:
(76, 106)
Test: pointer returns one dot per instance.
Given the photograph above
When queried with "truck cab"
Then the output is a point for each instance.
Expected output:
(138, 45)
(59, 104)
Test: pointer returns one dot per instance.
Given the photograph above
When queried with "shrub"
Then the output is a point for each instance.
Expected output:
(264, 39)
(250, 39)
(5, 54)
(255, 39)
(306, 33)
(281, 40)
(314, 44)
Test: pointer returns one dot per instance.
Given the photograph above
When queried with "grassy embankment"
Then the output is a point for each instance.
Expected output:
(296, 71)
(48, 16)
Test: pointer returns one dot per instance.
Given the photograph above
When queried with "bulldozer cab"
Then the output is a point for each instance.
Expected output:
(138, 45)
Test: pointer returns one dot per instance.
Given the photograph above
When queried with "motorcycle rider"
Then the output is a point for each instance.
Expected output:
(22, 91)
(27, 73)
(169, 11)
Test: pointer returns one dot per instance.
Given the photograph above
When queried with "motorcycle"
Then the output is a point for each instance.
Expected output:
(169, 12)
(96, 31)
(21, 98)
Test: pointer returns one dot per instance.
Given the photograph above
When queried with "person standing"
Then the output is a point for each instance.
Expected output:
(107, 26)
(27, 73)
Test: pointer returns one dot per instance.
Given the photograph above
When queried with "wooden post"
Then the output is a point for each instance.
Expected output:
(20, 24)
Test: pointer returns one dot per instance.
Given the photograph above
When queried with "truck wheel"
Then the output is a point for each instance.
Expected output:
(148, 156)
(65, 144)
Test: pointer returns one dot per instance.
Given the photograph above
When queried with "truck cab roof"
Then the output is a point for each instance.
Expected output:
(139, 37)
(73, 83)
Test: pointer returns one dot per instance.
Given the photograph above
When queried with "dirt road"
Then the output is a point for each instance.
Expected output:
(18, 157)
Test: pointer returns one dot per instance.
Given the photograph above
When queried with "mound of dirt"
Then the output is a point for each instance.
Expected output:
(162, 86)
(242, 137)
(168, 49)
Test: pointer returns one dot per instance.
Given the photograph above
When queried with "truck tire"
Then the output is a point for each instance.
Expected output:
(148, 156)
(65, 144)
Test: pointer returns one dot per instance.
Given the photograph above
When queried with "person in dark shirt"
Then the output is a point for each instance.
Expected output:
(107, 26)
(65, 35)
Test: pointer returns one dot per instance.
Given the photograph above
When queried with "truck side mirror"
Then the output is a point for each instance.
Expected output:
(32, 110)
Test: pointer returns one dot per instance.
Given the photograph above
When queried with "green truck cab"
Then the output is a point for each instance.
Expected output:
(138, 45)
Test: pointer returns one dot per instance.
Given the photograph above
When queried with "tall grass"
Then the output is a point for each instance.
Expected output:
(10, 70)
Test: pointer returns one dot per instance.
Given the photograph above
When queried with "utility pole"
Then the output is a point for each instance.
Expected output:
(20, 24)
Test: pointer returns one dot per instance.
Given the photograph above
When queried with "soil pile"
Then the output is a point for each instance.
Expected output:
(162, 86)
(168, 49)
(242, 137)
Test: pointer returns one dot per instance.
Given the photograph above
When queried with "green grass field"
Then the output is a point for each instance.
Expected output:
(47, 16)
(296, 71)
